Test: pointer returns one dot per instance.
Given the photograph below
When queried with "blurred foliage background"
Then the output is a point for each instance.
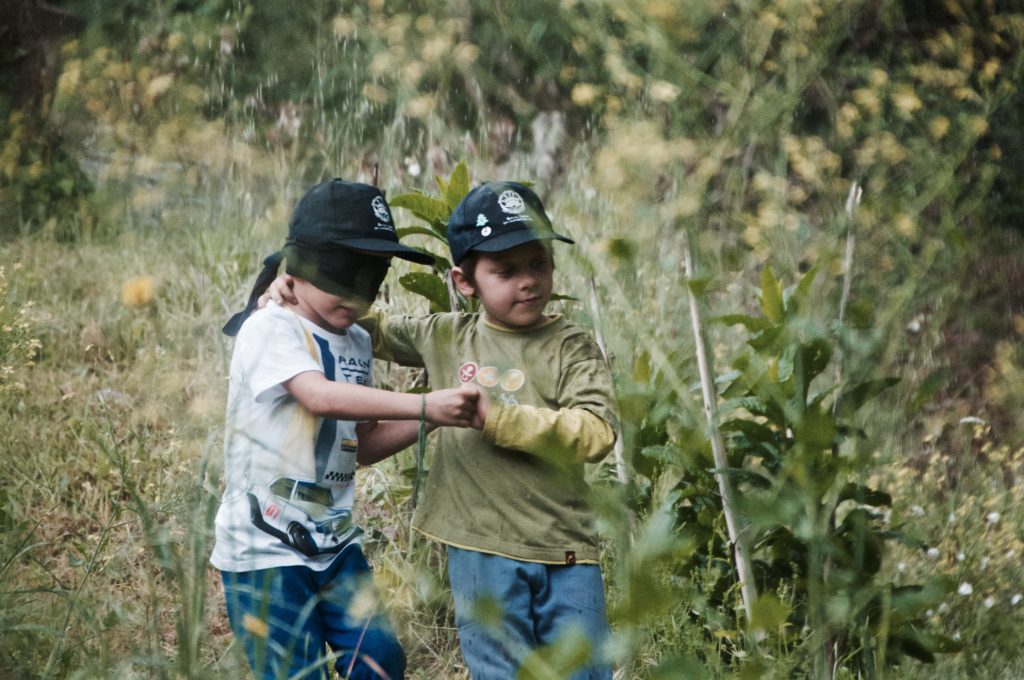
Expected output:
(846, 175)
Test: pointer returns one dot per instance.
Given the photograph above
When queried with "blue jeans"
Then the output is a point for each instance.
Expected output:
(506, 608)
(286, 616)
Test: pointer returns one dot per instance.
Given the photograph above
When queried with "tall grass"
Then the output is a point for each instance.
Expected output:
(111, 427)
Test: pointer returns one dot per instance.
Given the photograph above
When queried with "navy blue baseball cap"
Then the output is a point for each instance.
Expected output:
(498, 216)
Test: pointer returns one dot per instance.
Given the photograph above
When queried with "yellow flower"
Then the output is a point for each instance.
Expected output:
(138, 291)
(905, 100)
(663, 91)
(939, 127)
(583, 94)
(255, 626)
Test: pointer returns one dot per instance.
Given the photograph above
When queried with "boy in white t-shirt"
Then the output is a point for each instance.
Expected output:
(301, 414)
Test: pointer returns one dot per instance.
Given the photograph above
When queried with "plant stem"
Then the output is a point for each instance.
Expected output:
(620, 463)
(737, 535)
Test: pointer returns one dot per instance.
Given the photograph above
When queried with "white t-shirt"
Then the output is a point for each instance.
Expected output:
(283, 465)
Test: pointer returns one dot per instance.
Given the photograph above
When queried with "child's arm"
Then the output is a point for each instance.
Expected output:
(565, 435)
(383, 438)
(344, 401)
(578, 427)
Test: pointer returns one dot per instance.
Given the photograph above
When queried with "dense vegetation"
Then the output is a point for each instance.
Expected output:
(840, 179)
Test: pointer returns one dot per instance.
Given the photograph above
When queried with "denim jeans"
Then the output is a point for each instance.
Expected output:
(505, 608)
(286, 616)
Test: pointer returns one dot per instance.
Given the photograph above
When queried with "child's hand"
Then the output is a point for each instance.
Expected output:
(280, 291)
(456, 406)
(483, 405)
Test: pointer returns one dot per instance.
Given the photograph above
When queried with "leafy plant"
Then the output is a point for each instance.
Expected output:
(797, 455)
(434, 211)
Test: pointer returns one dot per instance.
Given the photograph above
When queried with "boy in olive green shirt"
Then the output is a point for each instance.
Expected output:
(510, 501)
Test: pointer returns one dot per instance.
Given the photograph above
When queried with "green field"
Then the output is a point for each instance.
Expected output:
(845, 177)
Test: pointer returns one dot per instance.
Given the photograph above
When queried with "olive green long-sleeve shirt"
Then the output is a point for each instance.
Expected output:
(517, 488)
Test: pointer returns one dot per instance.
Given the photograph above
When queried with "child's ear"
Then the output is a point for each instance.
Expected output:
(462, 283)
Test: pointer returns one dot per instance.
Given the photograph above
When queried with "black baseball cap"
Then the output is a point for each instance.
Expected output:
(348, 214)
(498, 216)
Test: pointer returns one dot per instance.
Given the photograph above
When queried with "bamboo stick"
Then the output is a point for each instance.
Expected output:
(737, 534)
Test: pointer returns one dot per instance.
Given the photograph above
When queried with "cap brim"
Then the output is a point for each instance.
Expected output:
(515, 238)
(374, 245)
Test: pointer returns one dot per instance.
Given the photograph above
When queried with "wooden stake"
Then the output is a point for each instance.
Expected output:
(737, 533)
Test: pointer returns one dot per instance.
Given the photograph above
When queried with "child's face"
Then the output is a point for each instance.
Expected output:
(513, 286)
(331, 312)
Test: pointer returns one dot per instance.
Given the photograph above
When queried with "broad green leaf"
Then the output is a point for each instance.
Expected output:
(431, 210)
(751, 323)
(771, 296)
(560, 659)
(769, 613)
(810, 360)
(699, 285)
(858, 395)
(457, 186)
(909, 602)
(803, 287)
(422, 231)
(430, 286)
(642, 368)
(816, 429)
(928, 388)
(663, 453)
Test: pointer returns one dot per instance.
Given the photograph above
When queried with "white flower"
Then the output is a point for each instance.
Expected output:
(951, 517)
(933, 553)
(989, 602)
(992, 517)
(917, 510)
(943, 608)
(984, 563)
(930, 613)
(956, 635)
(965, 588)
(1015, 600)
(901, 566)
(960, 557)
(1010, 553)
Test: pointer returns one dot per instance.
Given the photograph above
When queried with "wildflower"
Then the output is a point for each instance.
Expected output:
(933, 553)
(584, 94)
(255, 626)
(960, 557)
(917, 510)
(1015, 600)
(901, 566)
(984, 563)
(965, 589)
(989, 602)
(951, 517)
(943, 608)
(138, 291)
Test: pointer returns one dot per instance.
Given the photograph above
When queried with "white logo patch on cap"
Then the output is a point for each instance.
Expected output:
(511, 202)
(380, 210)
